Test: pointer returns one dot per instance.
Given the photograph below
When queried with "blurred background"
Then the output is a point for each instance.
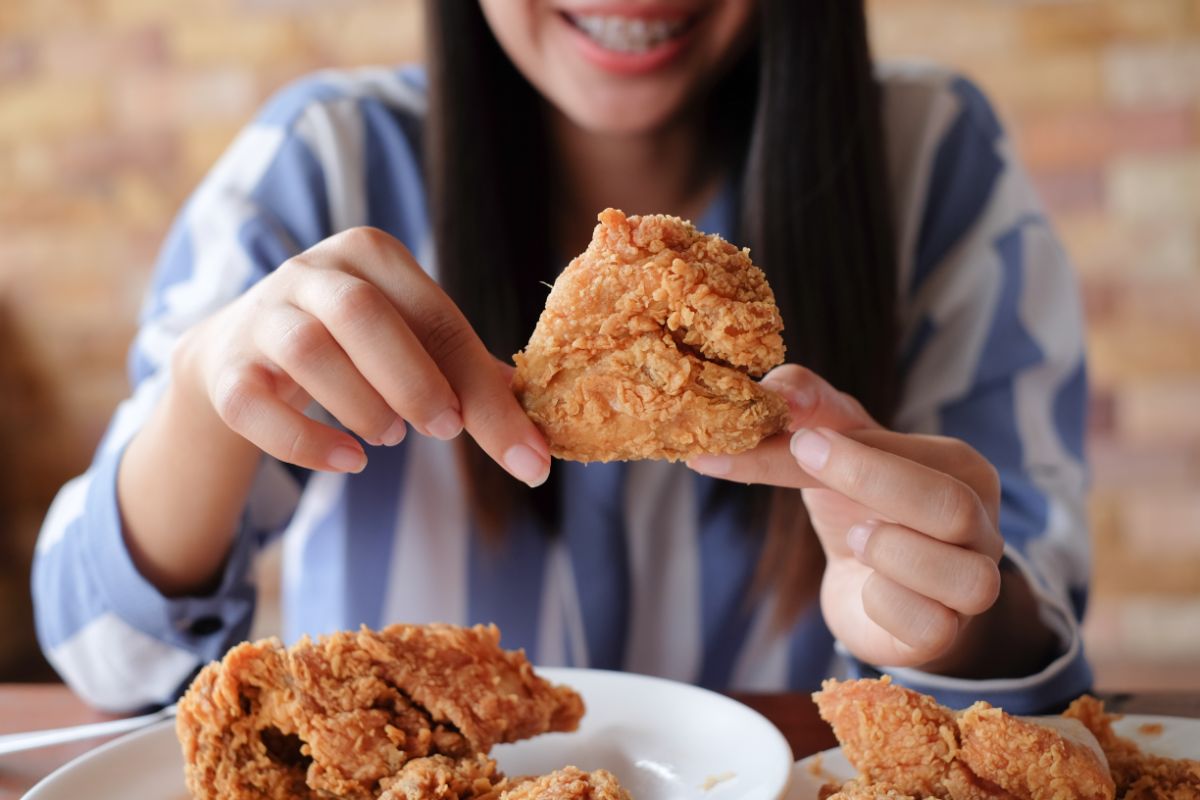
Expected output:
(112, 110)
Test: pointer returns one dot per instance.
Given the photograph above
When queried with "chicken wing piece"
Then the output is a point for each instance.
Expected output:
(345, 715)
(647, 346)
(569, 783)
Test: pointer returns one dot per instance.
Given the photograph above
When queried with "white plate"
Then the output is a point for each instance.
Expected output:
(663, 740)
(1180, 738)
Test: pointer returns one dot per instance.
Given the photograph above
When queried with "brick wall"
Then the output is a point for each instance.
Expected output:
(1103, 100)
(111, 110)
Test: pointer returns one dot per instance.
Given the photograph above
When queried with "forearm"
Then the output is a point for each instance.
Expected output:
(182, 486)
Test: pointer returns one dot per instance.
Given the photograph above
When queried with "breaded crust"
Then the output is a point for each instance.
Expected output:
(364, 714)
(568, 783)
(904, 743)
(647, 346)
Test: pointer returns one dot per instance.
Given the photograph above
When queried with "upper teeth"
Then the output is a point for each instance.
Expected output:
(628, 34)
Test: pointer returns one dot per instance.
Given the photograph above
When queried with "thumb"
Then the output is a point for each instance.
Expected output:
(814, 403)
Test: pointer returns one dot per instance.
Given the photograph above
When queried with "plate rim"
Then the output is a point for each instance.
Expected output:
(788, 758)
(677, 685)
(124, 740)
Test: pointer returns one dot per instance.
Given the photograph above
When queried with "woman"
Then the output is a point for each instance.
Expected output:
(913, 268)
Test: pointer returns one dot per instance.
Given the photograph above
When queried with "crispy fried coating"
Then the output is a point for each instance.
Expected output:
(1029, 759)
(474, 777)
(861, 790)
(1138, 775)
(906, 743)
(646, 347)
(364, 715)
(890, 734)
(568, 783)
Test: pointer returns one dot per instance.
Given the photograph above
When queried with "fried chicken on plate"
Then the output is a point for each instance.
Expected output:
(858, 790)
(406, 713)
(1050, 757)
(1138, 775)
(892, 735)
(904, 744)
(569, 783)
(647, 346)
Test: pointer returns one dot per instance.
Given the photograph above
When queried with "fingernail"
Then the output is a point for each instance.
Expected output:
(446, 425)
(394, 435)
(811, 449)
(856, 537)
(526, 464)
(346, 459)
(711, 465)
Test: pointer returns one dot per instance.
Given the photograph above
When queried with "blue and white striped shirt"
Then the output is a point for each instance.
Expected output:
(651, 571)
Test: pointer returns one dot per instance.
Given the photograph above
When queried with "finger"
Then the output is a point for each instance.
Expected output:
(942, 453)
(245, 400)
(490, 412)
(923, 628)
(836, 515)
(506, 370)
(302, 347)
(960, 579)
(382, 347)
(813, 402)
(770, 463)
(901, 490)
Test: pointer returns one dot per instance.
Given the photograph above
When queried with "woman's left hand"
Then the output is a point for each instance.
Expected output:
(908, 522)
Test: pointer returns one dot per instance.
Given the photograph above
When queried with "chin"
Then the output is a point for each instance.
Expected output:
(626, 111)
(620, 123)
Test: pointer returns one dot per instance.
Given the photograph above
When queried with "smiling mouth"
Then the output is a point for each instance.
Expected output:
(629, 34)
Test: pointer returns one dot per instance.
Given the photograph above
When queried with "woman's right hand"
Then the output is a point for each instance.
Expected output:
(355, 324)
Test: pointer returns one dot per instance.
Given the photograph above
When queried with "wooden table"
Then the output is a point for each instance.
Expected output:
(25, 707)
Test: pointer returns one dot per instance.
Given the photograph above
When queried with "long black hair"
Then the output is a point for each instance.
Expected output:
(815, 210)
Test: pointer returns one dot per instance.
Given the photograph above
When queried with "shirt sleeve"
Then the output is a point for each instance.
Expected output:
(993, 354)
(112, 637)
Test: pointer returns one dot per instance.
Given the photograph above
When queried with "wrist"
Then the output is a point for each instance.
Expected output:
(182, 484)
(187, 394)
(1006, 641)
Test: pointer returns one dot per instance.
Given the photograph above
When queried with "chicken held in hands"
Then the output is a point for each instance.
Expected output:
(648, 346)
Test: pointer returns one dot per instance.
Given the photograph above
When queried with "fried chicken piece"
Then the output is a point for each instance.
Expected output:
(906, 742)
(1044, 761)
(568, 783)
(861, 790)
(475, 777)
(1181, 784)
(963, 784)
(1138, 775)
(646, 347)
(357, 715)
(892, 735)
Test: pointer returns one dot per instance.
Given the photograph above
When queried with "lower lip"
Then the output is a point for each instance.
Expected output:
(628, 63)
